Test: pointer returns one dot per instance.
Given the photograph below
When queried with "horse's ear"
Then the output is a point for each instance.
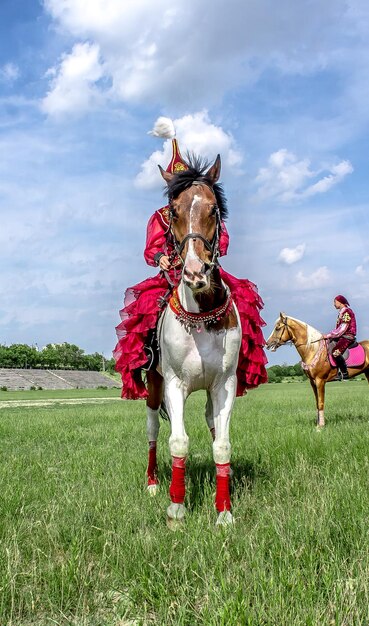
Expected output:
(282, 316)
(166, 175)
(214, 171)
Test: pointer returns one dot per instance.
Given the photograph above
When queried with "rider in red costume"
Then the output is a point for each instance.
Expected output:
(145, 301)
(343, 335)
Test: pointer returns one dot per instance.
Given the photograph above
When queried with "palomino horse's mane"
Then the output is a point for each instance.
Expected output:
(312, 333)
(196, 172)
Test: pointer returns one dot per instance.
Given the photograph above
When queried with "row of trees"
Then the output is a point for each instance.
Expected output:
(69, 356)
(277, 373)
(53, 356)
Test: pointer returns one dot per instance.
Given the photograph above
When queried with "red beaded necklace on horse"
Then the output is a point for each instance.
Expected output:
(193, 320)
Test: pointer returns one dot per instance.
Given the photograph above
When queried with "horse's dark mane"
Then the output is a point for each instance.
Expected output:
(197, 168)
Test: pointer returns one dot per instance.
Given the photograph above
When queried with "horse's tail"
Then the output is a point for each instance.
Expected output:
(163, 412)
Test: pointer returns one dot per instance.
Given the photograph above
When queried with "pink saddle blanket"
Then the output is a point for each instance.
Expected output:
(355, 358)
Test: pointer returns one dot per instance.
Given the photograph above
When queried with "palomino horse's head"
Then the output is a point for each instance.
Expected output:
(280, 335)
(197, 207)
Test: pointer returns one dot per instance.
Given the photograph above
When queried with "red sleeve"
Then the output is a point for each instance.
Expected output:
(338, 332)
(223, 240)
(155, 239)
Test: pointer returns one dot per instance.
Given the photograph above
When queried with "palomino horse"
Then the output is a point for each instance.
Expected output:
(312, 348)
(199, 334)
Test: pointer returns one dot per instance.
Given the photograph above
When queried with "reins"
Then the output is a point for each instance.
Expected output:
(297, 345)
(305, 366)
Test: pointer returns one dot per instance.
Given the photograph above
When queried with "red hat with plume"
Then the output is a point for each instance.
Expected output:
(164, 128)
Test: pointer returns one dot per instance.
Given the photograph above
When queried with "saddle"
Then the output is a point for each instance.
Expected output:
(354, 356)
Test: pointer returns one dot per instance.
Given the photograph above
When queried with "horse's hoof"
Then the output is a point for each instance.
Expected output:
(153, 489)
(175, 515)
(176, 511)
(225, 518)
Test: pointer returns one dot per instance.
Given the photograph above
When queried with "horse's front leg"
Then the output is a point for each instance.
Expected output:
(320, 387)
(175, 396)
(153, 402)
(313, 386)
(223, 399)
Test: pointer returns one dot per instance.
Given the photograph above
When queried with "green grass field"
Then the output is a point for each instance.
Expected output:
(82, 544)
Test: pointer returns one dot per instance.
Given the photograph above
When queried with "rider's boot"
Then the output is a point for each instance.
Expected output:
(342, 373)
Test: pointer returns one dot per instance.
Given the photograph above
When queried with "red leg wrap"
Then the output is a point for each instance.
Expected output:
(152, 466)
(177, 488)
(222, 498)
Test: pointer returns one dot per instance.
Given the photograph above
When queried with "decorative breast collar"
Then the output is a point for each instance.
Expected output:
(194, 320)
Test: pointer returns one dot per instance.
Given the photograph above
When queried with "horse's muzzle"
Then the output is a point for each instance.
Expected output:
(195, 280)
(272, 345)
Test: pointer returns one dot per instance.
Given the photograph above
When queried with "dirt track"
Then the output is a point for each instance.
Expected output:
(5, 404)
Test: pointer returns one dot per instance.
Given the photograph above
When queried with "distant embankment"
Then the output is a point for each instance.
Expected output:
(14, 379)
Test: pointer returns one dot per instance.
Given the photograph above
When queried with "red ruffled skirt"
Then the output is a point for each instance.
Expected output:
(142, 305)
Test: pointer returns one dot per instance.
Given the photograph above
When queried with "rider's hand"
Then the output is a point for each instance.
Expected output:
(164, 263)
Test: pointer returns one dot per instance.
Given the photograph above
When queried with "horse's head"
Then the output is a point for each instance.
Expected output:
(197, 206)
(280, 334)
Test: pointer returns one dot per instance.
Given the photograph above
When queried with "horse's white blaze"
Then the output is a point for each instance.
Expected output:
(192, 261)
(196, 199)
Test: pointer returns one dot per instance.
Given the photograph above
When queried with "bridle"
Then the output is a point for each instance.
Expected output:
(212, 246)
(207, 318)
(278, 343)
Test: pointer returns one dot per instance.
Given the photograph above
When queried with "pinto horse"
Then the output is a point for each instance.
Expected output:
(199, 336)
(313, 350)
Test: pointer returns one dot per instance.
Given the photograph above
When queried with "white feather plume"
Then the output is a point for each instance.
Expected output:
(164, 128)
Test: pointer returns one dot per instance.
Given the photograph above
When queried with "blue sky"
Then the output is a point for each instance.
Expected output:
(279, 89)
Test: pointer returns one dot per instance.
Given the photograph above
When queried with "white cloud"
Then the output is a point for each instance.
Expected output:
(195, 133)
(9, 72)
(173, 53)
(362, 269)
(73, 88)
(292, 255)
(338, 173)
(286, 177)
(315, 280)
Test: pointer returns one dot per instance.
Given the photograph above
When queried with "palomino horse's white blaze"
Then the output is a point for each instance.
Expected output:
(310, 345)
